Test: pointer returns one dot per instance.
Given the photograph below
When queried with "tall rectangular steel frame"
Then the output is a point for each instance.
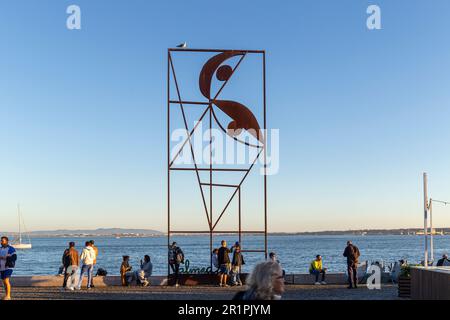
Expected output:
(211, 231)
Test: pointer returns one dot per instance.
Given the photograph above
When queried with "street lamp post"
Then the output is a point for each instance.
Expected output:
(430, 208)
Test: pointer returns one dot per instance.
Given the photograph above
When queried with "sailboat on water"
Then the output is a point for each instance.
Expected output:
(20, 244)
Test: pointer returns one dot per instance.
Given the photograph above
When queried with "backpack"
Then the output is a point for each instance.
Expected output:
(355, 254)
(11, 260)
(102, 272)
(172, 255)
(67, 261)
(180, 256)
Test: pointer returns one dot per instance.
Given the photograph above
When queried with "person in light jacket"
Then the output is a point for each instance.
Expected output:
(94, 247)
(215, 260)
(143, 275)
(87, 259)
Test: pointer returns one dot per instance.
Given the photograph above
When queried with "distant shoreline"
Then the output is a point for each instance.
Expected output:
(143, 233)
(321, 234)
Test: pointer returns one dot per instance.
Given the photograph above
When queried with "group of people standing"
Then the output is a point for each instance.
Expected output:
(73, 262)
(220, 258)
(226, 267)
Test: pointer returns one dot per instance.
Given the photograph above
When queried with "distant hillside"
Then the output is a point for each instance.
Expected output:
(406, 231)
(96, 232)
(102, 232)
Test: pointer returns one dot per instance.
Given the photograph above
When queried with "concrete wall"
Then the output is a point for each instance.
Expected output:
(56, 281)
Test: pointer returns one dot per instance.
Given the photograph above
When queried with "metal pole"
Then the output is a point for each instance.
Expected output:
(425, 219)
(431, 231)
(240, 217)
(265, 156)
(210, 185)
(168, 163)
(20, 230)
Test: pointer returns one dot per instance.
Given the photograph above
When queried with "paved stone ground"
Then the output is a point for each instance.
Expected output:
(297, 292)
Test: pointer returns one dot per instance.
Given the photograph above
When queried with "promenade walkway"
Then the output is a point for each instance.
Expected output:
(293, 292)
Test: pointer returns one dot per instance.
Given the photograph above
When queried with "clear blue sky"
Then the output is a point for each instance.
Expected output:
(361, 113)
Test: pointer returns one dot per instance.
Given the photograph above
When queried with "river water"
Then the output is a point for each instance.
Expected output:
(294, 252)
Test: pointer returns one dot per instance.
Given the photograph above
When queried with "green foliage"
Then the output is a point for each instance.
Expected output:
(406, 270)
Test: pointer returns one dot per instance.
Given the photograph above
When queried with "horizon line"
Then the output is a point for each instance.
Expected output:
(269, 232)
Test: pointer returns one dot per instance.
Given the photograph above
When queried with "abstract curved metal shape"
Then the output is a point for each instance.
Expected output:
(210, 67)
(242, 117)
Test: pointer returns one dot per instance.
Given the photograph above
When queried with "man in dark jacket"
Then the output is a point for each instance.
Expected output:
(176, 257)
(443, 261)
(352, 254)
(236, 264)
(224, 264)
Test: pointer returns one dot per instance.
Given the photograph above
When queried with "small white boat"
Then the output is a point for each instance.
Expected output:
(21, 245)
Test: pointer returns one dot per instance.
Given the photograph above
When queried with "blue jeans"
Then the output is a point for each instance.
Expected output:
(89, 269)
(317, 273)
(235, 275)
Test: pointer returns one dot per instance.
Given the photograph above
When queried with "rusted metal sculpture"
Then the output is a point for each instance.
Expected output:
(241, 117)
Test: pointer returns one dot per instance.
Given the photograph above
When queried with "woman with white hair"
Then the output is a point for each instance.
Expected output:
(265, 282)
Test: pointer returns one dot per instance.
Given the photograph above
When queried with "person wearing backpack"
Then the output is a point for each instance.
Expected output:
(95, 260)
(176, 257)
(8, 259)
(352, 254)
(70, 262)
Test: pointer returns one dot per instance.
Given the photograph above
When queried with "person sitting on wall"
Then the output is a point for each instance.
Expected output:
(316, 268)
(143, 275)
(215, 260)
(444, 261)
(274, 257)
(126, 274)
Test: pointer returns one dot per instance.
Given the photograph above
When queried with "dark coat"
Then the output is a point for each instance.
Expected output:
(238, 259)
(222, 256)
(352, 254)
